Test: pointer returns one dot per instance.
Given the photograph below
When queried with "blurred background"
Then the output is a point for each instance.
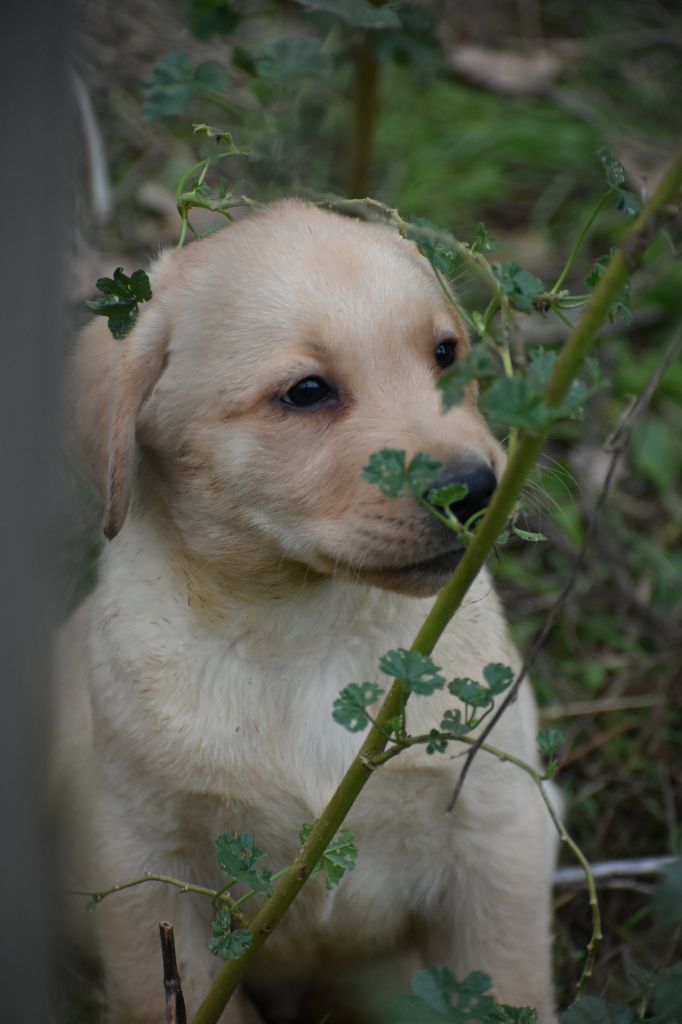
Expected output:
(458, 113)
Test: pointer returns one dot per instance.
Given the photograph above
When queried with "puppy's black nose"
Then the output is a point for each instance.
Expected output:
(481, 483)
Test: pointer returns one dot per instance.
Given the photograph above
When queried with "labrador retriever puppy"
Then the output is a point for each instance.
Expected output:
(251, 574)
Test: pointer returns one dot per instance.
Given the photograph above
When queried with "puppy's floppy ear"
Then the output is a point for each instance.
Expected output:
(111, 382)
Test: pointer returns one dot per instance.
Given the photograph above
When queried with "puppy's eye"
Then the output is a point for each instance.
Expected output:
(446, 353)
(310, 391)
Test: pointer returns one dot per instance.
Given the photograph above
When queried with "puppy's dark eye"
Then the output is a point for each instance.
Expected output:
(446, 353)
(310, 391)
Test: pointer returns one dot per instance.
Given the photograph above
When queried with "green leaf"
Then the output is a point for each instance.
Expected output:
(499, 677)
(549, 741)
(387, 470)
(483, 241)
(358, 13)
(439, 256)
(666, 998)
(621, 305)
(174, 83)
(212, 17)
(292, 58)
(339, 857)
(628, 202)
(656, 452)
(520, 285)
(478, 364)
(437, 744)
(120, 300)
(444, 497)
(225, 943)
(422, 471)
(613, 168)
(527, 535)
(140, 286)
(667, 899)
(417, 671)
(437, 997)
(237, 856)
(453, 723)
(470, 692)
(517, 402)
(349, 706)
(591, 1010)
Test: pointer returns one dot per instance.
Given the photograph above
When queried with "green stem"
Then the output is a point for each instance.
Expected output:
(148, 876)
(366, 110)
(579, 241)
(449, 599)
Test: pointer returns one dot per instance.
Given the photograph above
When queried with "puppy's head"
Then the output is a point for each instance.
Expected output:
(274, 358)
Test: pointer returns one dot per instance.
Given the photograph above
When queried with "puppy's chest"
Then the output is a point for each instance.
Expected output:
(245, 724)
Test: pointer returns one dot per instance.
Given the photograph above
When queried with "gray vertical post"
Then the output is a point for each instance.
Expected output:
(34, 143)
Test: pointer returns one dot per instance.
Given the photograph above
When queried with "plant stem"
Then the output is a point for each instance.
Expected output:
(177, 883)
(450, 598)
(579, 241)
(365, 112)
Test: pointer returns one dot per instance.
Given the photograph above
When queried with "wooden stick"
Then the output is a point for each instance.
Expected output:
(175, 1003)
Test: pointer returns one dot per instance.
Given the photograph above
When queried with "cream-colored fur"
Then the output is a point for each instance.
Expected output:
(252, 574)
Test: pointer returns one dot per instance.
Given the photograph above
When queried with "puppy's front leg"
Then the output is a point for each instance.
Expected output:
(496, 918)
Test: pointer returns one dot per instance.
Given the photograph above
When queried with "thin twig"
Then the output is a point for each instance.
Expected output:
(605, 706)
(616, 444)
(216, 895)
(175, 1003)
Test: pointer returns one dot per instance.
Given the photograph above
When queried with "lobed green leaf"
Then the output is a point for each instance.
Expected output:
(237, 856)
(519, 284)
(449, 495)
(120, 300)
(453, 723)
(228, 944)
(388, 470)
(549, 741)
(499, 677)
(470, 692)
(437, 997)
(628, 202)
(349, 706)
(339, 857)
(417, 671)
